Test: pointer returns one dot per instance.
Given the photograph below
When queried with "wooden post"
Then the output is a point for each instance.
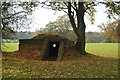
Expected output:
(44, 49)
(60, 51)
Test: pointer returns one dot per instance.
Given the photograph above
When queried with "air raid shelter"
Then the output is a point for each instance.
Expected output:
(49, 46)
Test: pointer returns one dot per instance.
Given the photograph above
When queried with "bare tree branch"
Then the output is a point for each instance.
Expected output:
(64, 11)
(65, 4)
(71, 18)
(90, 6)
(13, 15)
(73, 7)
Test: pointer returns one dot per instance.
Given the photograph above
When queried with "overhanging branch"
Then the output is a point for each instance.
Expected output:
(93, 4)
(13, 15)
(71, 18)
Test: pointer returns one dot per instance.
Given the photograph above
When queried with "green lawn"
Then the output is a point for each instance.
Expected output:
(9, 47)
(103, 49)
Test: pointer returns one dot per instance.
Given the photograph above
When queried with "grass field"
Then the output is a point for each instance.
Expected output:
(9, 47)
(103, 49)
(88, 66)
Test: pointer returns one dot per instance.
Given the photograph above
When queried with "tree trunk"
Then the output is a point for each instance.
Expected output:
(78, 28)
(80, 44)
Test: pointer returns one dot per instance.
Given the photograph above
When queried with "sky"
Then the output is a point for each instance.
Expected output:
(42, 16)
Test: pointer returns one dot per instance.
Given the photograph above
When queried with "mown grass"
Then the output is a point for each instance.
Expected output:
(10, 47)
(103, 49)
(88, 66)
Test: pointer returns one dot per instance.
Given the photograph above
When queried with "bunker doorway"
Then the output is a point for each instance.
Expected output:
(53, 50)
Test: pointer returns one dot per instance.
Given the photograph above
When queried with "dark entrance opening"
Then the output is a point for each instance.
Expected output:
(53, 50)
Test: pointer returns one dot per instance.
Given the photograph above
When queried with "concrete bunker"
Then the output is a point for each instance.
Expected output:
(51, 47)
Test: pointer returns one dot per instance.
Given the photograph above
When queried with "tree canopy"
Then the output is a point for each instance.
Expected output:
(61, 26)
(111, 31)
(15, 15)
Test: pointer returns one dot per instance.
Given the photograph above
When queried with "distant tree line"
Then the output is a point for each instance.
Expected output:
(94, 37)
(91, 37)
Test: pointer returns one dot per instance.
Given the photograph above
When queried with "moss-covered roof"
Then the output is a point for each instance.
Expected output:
(49, 36)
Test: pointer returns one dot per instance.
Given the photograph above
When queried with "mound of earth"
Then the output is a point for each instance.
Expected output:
(49, 36)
